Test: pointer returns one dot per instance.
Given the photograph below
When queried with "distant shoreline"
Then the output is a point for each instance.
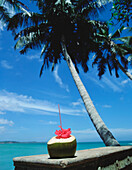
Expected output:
(13, 142)
(10, 142)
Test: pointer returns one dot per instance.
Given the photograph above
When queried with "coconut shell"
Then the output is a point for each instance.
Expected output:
(62, 148)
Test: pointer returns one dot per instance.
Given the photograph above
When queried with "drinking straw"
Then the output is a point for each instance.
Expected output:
(60, 115)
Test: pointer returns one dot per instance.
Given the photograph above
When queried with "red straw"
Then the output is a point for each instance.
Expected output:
(60, 115)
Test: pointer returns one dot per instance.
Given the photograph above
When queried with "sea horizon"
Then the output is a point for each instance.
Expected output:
(10, 141)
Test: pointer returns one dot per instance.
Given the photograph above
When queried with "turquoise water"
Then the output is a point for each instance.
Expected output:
(9, 151)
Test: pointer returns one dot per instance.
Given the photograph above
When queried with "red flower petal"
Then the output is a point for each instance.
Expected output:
(63, 133)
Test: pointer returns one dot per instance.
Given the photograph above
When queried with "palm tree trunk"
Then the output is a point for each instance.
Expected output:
(101, 128)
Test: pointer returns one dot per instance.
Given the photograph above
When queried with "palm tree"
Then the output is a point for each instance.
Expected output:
(66, 31)
(113, 50)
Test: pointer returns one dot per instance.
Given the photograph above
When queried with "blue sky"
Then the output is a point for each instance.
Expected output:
(29, 104)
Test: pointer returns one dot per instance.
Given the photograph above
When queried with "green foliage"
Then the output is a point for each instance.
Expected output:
(111, 48)
(122, 11)
(4, 15)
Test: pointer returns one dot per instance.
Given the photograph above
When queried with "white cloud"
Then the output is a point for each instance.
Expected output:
(32, 57)
(6, 122)
(2, 113)
(85, 131)
(105, 82)
(92, 135)
(80, 105)
(49, 122)
(122, 131)
(2, 129)
(5, 64)
(125, 82)
(116, 131)
(52, 123)
(59, 80)
(26, 104)
(96, 81)
(115, 87)
(77, 103)
(106, 106)
(119, 131)
(86, 135)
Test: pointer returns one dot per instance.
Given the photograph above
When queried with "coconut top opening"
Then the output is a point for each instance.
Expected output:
(61, 140)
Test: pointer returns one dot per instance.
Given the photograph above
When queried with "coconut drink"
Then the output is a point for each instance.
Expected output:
(63, 145)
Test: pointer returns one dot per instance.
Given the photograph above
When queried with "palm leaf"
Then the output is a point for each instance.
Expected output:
(101, 67)
(24, 20)
(110, 64)
(17, 5)
(25, 11)
(4, 14)
(30, 41)
(44, 49)
(126, 40)
(41, 70)
(91, 7)
(118, 32)
(126, 49)
(39, 29)
(130, 59)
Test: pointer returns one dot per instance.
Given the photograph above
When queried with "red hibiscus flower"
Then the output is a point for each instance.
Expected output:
(63, 133)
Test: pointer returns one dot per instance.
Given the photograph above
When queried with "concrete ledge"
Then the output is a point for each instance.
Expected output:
(105, 158)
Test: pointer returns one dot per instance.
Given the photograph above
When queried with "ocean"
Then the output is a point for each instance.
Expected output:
(10, 150)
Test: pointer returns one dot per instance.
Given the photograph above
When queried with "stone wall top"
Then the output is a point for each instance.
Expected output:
(98, 158)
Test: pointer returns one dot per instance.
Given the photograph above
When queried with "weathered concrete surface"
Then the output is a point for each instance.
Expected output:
(106, 158)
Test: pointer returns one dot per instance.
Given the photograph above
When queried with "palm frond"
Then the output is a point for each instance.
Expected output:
(44, 5)
(126, 40)
(31, 41)
(101, 67)
(17, 5)
(4, 14)
(121, 12)
(41, 70)
(123, 49)
(130, 59)
(44, 49)
(118, 32)
(39, 29)
(110, 64)
(24, 20)
(25, 11)
(90, 8)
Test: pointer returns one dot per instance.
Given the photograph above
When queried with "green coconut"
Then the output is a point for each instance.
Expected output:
(62, 148)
